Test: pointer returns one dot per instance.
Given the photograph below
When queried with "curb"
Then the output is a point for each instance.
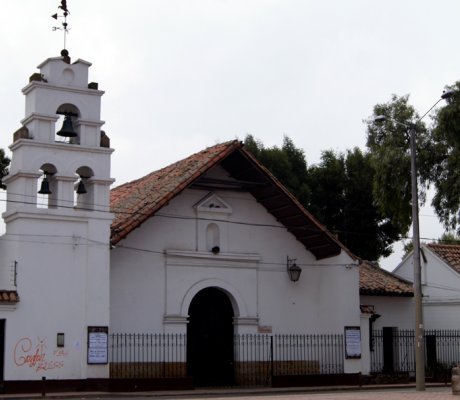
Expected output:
(217, 392)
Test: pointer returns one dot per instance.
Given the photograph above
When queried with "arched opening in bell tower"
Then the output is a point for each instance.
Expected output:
(47, 188)
(84, 189)
(65, 129)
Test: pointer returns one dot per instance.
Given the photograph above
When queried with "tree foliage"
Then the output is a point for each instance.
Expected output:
(449, 238)
(342, 198)
(437, 155)
(337, 191)
(446, 134)
(4, 167)
(288, 164)
(389, 145)
(365, 197)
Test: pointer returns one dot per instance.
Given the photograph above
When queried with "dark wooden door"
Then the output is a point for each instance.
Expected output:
(210, 339)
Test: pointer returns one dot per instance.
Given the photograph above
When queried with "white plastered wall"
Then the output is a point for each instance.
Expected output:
(158, 268)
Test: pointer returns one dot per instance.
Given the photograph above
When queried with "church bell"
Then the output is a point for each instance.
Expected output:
(67, 128)
(81, 188)
(45, 186)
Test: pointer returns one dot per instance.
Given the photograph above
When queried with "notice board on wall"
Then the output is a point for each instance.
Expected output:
(98, 344)
(352, 342)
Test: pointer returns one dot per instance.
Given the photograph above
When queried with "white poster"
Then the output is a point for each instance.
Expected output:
(352, 342)
(98, 344)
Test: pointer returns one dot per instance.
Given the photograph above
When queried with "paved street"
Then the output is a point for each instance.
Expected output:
(434, 393)
(438, 394)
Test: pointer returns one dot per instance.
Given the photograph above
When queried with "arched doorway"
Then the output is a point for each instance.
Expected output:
(210, 338)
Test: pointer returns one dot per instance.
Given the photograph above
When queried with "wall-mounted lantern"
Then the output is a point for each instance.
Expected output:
(293, 269)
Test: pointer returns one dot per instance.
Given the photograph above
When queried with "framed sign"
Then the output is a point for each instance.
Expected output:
(352, 342)
(98, 344)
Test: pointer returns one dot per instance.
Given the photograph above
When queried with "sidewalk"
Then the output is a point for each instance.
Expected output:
(374, 392)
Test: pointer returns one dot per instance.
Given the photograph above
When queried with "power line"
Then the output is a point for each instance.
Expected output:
(183, 217)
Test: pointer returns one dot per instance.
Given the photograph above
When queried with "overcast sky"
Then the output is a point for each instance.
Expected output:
(181, 75)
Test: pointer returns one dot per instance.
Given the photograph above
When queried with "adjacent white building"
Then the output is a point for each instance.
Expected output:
(440, 264)
(389, 299)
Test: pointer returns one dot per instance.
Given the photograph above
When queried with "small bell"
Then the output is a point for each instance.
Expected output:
(45, 186)
(81, 188)
(67, 128)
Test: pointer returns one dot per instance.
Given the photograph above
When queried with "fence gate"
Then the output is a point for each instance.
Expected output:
(392, 351)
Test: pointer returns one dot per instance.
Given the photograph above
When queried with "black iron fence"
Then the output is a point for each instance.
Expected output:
(257, 357)
(260, 357)
(392, 351)
(147, 355)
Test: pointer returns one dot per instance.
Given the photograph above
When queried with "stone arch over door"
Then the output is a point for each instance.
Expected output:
(210, 353)
(239, 306)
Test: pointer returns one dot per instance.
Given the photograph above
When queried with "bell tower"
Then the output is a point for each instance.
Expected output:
(58, 228)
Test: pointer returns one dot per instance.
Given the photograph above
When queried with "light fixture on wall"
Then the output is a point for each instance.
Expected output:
(60, 341)
(293, 269)
(45, 185)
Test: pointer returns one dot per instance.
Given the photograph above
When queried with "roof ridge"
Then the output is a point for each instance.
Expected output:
(443, 245)
(169, 166)
(389, 273)
(374, 280)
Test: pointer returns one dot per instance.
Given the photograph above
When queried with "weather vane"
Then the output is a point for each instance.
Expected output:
(65, 13)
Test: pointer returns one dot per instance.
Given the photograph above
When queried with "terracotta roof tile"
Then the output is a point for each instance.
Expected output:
(136, 201)
(449, 253)
(376, 281)
(367, 309)
(9, 296)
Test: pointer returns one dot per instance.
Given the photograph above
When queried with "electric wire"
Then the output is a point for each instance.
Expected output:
(92, 207)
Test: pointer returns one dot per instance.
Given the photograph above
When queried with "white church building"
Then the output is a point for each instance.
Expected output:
(208, 248)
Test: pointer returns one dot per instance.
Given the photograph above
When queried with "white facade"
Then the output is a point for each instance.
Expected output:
(440, 289)
(159, 268)
(55, 252)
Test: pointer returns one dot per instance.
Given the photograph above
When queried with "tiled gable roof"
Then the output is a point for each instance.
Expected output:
(376, 281)
(134, 202)
(449, 253)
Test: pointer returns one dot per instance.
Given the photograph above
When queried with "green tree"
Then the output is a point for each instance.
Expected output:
(337, 191)
(449, 238)
(388, 144)
(446, 135)
(4, 167)
(438, 159)
(327, 180)
(288, 164)
(342, 198)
